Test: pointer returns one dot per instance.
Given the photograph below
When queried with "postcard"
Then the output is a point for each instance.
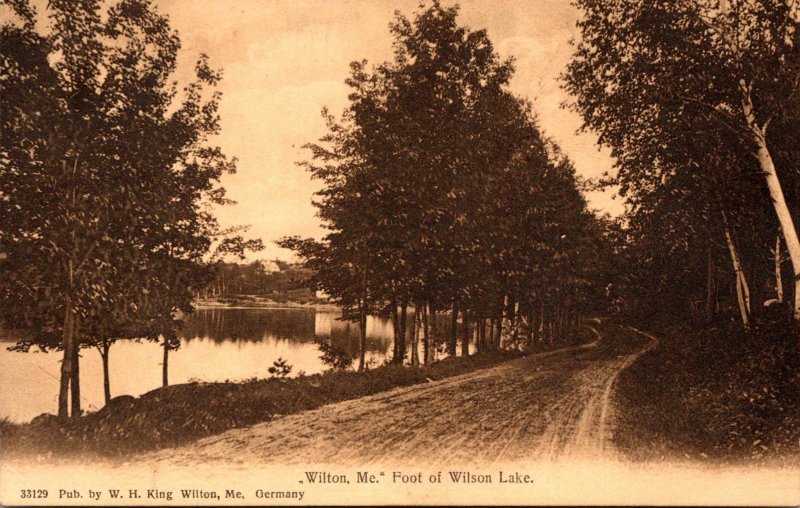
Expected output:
(421, 252)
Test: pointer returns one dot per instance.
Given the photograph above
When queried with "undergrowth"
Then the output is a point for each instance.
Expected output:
(183, 413)
(717, 394)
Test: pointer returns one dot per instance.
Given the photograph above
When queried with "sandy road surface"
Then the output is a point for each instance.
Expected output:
(542, 407)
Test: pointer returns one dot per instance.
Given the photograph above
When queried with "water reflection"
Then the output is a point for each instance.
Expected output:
(216, 345)
(251, 325)
(299, 326)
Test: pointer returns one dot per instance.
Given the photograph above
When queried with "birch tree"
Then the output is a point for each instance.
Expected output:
(640, 69)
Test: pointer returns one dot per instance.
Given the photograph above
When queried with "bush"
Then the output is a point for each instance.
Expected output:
(334, 357)
(178, 414)
(717, 394)
(280, 369)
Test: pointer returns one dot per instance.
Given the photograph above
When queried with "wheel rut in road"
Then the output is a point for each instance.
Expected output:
(546, 406)
(584, 419)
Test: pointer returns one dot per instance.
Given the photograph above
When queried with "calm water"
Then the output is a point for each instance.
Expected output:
(216, 345)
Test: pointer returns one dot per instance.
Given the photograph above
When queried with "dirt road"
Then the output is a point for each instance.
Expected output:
(546, 407)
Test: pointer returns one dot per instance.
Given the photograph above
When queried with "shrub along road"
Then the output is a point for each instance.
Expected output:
(544, 406)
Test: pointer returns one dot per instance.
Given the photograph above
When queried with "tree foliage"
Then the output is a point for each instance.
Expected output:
(695, 99)
(108, 175)
(440, 192)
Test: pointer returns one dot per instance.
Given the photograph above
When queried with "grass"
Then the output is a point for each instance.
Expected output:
(183, 413)
(716, 395)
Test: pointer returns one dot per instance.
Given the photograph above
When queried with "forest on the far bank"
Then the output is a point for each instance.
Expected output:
(276, 280)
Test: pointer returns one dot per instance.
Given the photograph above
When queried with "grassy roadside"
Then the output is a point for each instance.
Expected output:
(715, 395)
(182, 413)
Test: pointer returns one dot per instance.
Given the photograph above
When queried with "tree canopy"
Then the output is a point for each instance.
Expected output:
(441, 192)
(695, 100)
(108, 174)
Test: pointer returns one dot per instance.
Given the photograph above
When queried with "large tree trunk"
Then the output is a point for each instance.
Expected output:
(776, 193)
(66, 364)
(427, 347)
(785, 219)
(452, 345)
(778, 275)
(362, 328)
(165, 363)
(742, 288)
(106, 378)
(542, 325)
(401, 345)
(415, 338)
(395, 331)
(362, 323)
(513, 323)
(75, 377)
(432, 331)
(530, 320)
(498, 334)
(481, 330)
(505, 314)
(464, 333)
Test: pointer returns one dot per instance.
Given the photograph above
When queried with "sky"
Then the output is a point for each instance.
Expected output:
(283, 60)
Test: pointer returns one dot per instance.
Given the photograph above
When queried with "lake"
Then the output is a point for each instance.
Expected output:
(216, 345)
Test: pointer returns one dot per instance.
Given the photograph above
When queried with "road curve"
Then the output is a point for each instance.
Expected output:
(547, 406)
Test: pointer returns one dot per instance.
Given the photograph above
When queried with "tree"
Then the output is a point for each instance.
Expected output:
(645, 74)
(441, 193)
(106, 167)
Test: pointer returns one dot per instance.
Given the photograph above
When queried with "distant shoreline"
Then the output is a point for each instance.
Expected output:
(259, 303)
(14, 335)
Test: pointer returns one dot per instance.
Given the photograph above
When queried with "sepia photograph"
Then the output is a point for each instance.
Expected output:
(385, 252)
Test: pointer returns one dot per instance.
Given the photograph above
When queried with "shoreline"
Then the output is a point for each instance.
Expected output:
(243, 304)
(201, 409)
